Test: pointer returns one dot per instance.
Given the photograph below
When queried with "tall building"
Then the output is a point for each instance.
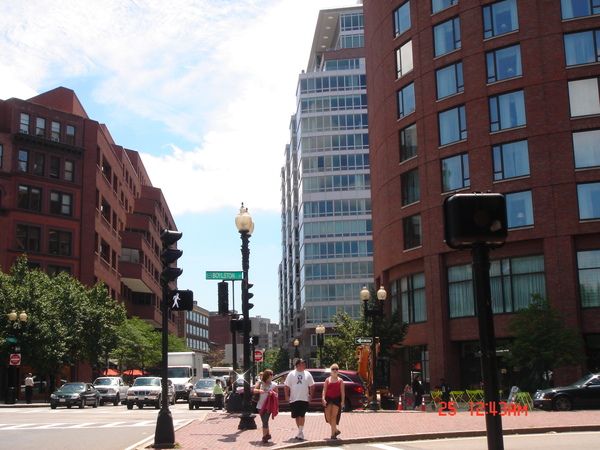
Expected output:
(473, 95)
(325, 185)
(73, 200)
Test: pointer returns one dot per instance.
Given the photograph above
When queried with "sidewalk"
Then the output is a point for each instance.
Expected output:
(218, 430)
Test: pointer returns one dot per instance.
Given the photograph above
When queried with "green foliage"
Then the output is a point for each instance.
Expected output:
(542, 342)
(277, 360)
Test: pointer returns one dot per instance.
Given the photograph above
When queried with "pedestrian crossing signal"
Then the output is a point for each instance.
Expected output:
(181, 300)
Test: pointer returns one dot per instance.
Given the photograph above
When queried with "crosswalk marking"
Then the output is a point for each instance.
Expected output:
(384, 447)
(64, 426)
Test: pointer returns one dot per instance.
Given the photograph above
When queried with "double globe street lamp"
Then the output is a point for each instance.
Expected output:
(320, 330)
(375, 311)
(17, 321)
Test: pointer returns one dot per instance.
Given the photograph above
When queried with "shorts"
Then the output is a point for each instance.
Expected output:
(298, 408)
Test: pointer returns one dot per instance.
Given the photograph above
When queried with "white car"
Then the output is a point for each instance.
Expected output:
(148, 391)
(112, 390)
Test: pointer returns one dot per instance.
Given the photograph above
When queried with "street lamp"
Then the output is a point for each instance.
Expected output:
(296, 351)
(245, 226)
(320, 330)
(374, 312)
(13, 384)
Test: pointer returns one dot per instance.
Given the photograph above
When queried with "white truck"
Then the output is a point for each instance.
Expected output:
(184, 369)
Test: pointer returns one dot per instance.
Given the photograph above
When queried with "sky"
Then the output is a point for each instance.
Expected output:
(203, 89)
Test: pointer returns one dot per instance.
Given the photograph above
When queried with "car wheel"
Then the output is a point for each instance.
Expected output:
(191, 406)
(96, 403)
(172, 400)
(69, 406)
(82, 403)
(53, 406)
(157, 405)
(562, 403)
(117, 400)
(140, 405)
(101, 402)
(129, 405)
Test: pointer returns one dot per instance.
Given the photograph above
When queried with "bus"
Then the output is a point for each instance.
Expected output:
(205, 371)
(221, 372)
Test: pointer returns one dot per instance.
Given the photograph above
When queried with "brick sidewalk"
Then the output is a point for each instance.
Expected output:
(216, 431)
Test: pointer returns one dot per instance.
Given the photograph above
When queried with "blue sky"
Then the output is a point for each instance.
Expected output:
(203, 89)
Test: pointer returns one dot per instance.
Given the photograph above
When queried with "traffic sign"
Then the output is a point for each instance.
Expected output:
(363, 340)
(258, 355)
(12, 340)
(15, 359)
(224, 275)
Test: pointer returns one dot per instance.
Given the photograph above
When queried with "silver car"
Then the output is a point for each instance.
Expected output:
(202, 393)
(148, 391)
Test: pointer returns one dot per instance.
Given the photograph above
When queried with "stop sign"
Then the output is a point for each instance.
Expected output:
(258, 355)
(15, 359)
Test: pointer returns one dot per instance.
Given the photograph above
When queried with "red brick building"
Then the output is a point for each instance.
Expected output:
(73, 200)
(471, 95)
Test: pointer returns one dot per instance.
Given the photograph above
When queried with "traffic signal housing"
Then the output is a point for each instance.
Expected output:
(223, 298)
(248, 295)
(181, 300)
(169, 255)
(474, 219)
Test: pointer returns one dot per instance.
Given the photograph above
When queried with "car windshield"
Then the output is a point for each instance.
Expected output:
(584, 380)
(205, 384)
(147, 382)
(72, 387)
(104, 382)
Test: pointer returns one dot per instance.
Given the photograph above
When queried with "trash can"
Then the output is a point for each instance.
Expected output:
(234, 403)
(11, 396)
(389, 402)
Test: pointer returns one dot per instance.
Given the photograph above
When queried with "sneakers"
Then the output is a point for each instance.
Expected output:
(337, 433)
(266, 438)
(300, 437)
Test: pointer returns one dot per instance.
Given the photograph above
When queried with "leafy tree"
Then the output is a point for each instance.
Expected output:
(541, 341)
(215, 357)
(278, 360)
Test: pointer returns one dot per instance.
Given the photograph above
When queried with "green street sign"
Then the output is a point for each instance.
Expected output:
(12, 340)
(224, 275)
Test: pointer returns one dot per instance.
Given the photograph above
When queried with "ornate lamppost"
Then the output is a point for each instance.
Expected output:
(374, 312)
(245, 226)
(16, 328)
(296, 350)
(320, 330)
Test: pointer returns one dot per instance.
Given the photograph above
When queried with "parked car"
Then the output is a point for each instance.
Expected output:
(111, 389)
(148, 391)
(75, 394)
(354, 387)
(202, 393)
(582, 394)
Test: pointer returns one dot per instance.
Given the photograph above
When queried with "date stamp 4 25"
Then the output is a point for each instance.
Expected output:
(483, 409)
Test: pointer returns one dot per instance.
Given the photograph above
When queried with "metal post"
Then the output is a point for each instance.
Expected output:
(374, 406)
(233, 336)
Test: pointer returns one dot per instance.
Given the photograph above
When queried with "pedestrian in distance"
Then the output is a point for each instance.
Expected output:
(334, 396)
(445, 388)
(299, 388)
(408, 398)
(418, 390)
(28, 388)
(218, 394)
(268, 403)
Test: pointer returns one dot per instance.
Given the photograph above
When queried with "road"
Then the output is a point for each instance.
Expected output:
(103, 428)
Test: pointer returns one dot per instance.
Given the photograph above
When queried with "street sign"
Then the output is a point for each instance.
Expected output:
(258, 355)
(363, 340)
(12, 340)
(15, 359)
(224, 275)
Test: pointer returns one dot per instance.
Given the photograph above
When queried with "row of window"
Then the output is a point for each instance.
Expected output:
(57, 242)
(333, 103)
(344, 64)
(344, 249)
(31, 198)
(337, 228)
(325, 314)
(343, 207)
(332, 271)
(331, 183)
(43, 165)
(334, 143)
(333, 83)
(48, 130)
(333, 123)
(333, 163)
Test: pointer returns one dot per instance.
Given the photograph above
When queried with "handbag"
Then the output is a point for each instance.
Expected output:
(255, 397)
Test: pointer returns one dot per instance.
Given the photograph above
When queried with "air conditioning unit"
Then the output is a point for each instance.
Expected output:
(55, 139)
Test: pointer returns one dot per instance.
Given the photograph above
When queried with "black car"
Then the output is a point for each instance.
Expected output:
(582, 394)
(75, 394)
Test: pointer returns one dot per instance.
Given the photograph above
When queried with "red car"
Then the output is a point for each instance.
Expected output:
(353, 384)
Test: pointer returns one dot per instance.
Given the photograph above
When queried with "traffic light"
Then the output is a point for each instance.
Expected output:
(236, 325)
(475, 219)
(181, 300)
(223, 298)
(248, 295)
(169, 255)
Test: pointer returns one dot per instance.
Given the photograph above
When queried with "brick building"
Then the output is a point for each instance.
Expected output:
(472, 95)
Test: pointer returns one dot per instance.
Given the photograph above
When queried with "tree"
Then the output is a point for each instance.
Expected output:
(215, 357)
(541, 341)
(278, 360)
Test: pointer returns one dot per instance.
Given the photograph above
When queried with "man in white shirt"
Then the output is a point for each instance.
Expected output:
(299, 388)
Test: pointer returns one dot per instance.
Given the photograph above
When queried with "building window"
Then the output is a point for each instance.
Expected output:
(449, 80)
(353, 21)
(53, 269)
(586, 147)
(583, 97)
(23, 163)
(30, 198)
(69, 170)
(511, 160)
(588, 265)
(412, 231)
(352, 41)
(410, 187)
(39, 164)
(507, 111)
(56, 131)
(104, 251)
(40, 127)
(28, 238)
(438, 5)
(408, 142)
(412, 295)
(582, 48)
(54, 168)
(579, 8)
(453, 125)
(519, 209)
(70, 137)
(500, 18)
(455, 173)
(504, 63)
(24, 124)
(404, 59)
(402, 19)
(59, 243)
(406, 100)
(588, 196)
(447, 36)
(61, 203)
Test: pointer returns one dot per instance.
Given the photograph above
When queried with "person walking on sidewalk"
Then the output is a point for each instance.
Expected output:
(266, 405)
(334, 396)
(418, 390)
(28, 388)
(218, 394)
(299, 388)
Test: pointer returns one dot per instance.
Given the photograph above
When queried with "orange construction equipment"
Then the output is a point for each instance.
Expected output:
(400, 403)
(423, 408)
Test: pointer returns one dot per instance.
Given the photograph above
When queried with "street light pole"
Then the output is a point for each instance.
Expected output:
(374, 312)
(13, 384)
(245, 226)
(320, 330)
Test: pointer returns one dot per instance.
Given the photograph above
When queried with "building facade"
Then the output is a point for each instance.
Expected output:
(325, 185)
(475, 95)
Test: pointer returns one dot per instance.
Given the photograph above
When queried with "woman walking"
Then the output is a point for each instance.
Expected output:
(334, 396)
(267, 402)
